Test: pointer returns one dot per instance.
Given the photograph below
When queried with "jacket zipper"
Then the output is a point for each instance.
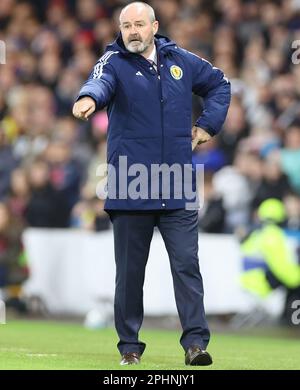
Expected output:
(161, 112)
(162, 119)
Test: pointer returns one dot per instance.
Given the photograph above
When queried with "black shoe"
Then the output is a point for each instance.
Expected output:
(195, 356)
(130, 358)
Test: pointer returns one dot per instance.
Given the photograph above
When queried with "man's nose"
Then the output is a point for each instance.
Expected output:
(133, 30)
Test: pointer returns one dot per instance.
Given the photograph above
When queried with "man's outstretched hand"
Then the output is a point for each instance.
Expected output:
(199, 136)
(83, 108)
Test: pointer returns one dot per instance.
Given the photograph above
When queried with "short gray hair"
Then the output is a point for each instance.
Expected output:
(141, 3)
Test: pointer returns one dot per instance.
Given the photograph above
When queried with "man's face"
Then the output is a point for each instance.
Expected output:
(137, 29)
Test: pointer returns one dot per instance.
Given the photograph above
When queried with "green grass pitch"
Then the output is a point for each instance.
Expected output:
(53, 345)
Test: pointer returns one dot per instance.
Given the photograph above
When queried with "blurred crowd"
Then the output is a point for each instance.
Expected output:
(48, 159)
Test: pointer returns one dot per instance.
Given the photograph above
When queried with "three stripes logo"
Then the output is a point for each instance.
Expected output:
(98, 68)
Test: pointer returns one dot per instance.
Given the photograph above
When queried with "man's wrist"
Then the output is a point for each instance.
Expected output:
(208, 130)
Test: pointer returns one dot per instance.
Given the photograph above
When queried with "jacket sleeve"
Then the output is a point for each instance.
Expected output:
(211, 84)
(101, 84)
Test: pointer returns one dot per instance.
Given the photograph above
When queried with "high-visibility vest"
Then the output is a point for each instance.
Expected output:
(265, 249)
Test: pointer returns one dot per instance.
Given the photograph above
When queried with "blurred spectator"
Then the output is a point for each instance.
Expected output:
(235, 129)
(290, 156)
(212, 216)
(46, 208)
(268, 260)
(102, 221)
(292, 205)
(236, 195)
(19, 195)
(274, 183)
(13, 265)
(90, 215)
(99, 158)
(7, 164)
(64, 172)
(83, 215)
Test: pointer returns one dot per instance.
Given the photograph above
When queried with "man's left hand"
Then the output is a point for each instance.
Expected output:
(199, 136)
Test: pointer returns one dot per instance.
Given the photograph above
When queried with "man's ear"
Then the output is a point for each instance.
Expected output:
(155, 27)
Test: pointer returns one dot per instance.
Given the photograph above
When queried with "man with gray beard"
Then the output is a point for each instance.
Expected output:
(146, 81)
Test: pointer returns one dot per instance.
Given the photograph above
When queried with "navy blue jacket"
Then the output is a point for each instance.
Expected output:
(150, 113)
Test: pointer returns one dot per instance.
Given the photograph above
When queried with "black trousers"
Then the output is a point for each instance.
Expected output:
(133, 231)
